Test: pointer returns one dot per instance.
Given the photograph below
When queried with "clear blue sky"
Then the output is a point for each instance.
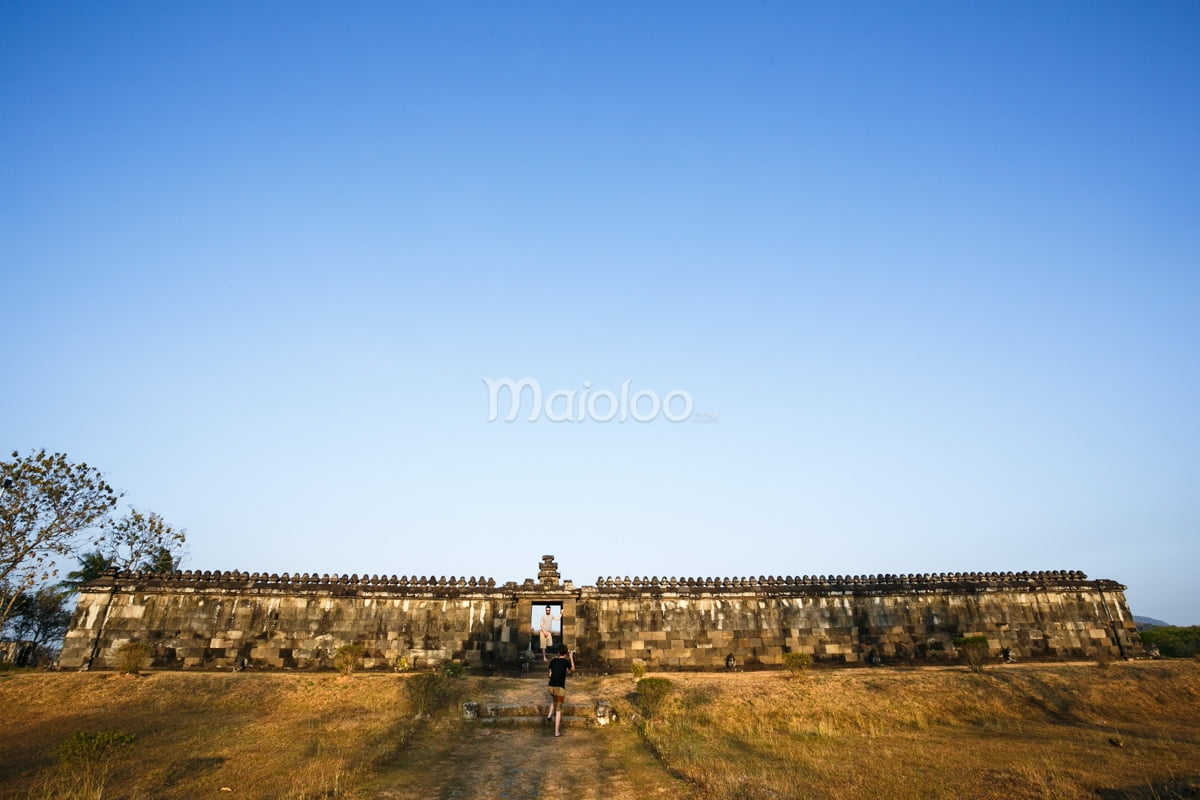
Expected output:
(930, 272)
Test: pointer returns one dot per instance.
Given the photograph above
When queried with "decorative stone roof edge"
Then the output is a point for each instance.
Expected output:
(910, 580)
(889, 583)
(297, 580)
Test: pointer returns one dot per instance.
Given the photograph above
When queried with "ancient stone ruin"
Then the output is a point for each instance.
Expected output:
(233, 619)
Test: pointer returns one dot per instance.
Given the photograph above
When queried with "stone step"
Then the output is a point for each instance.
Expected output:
(591, 713)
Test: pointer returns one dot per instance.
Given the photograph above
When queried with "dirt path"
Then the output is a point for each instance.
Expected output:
(523, 763)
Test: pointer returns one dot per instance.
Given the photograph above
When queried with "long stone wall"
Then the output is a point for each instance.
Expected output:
(230, 619)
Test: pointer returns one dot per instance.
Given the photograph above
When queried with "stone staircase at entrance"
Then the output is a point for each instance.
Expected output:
(598, 713)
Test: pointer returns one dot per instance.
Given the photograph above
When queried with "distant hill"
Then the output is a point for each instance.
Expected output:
(1145, 623)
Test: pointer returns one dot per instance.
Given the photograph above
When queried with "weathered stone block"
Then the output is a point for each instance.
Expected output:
(690, 625)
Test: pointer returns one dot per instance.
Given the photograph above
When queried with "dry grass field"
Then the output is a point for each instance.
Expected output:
(1125, 730)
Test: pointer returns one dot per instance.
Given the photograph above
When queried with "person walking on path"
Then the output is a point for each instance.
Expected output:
(560, 665)
(546, 631)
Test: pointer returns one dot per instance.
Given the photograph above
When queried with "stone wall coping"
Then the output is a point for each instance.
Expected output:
(911, 579)
(414, 584)
(290, 580)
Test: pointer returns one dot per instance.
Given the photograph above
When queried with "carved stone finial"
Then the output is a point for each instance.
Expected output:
(548, 572)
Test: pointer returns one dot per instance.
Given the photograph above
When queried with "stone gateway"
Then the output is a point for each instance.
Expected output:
(232, 619)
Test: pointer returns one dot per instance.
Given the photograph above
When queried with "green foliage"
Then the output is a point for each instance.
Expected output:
(452, 669)
(40, 617)
(1174, 641)
(403, 664)
(797, 663)
(973, 650)
(638, 668)
(133, 656)
(652, 693)
(345, 660)
(86, 759)
(55, 508)
(43, 516)
(426, 692)
(91, 566)
(89, 747)
(143, 541)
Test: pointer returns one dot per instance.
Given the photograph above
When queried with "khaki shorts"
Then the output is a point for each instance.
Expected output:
(558, 693)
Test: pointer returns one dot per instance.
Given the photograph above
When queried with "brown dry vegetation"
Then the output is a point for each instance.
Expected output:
(1031, 731)
(1126, 731)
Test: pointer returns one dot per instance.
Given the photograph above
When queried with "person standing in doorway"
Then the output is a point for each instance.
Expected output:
(546, 631)
(560, 665)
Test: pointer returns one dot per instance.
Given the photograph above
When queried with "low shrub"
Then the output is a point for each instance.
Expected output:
(426, 692)
(345, 660)
(652, 693)
(86, 760)
(133, 656)
(452, 669)
(973, 650)
(638, 668)
(797, 663)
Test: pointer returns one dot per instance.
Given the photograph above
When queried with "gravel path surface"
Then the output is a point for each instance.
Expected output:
(525, 762)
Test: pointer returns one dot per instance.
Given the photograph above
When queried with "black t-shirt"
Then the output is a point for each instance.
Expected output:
(559, 666)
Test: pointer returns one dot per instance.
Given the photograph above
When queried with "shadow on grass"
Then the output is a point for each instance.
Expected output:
(1185, 788)
(1057, 703)
(191, 768)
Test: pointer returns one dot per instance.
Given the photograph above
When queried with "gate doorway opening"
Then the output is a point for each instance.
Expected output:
(546, 624)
